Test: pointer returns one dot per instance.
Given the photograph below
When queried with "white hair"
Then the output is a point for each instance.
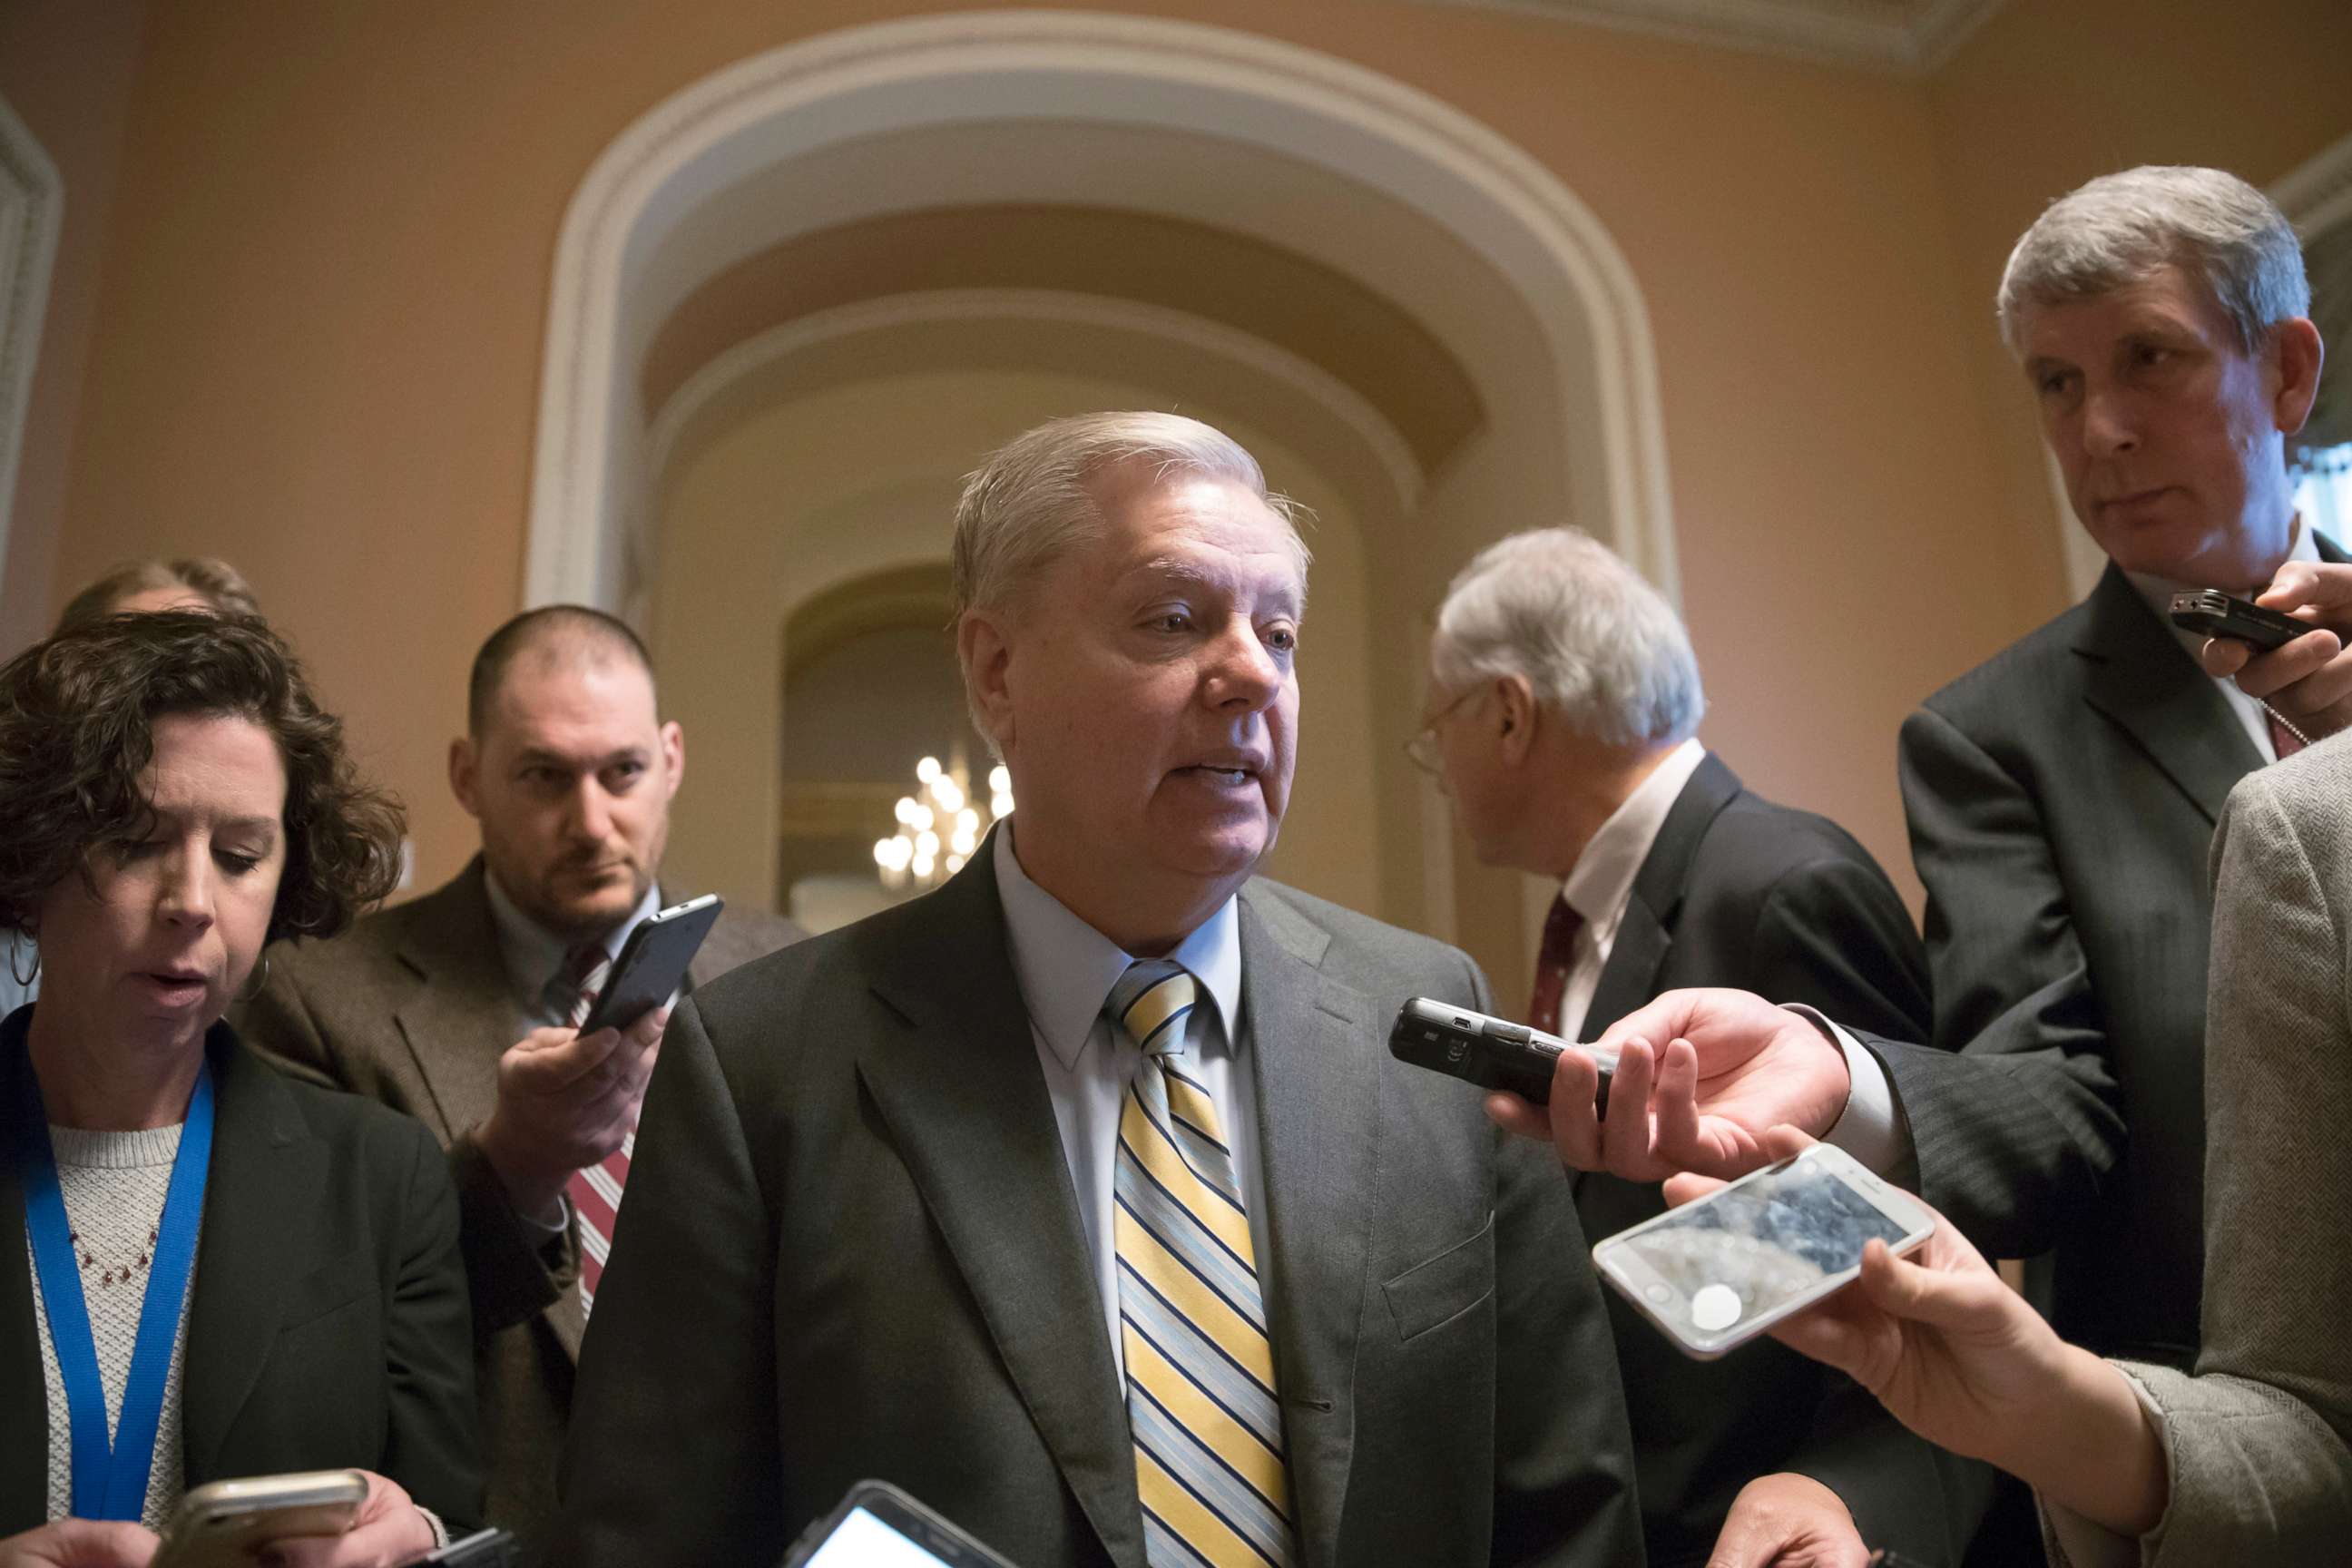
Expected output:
(1032, 501)
(1599, 646)
(2120, 230)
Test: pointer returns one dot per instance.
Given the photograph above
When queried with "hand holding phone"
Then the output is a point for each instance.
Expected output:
(1716, 1272)
(227, 1524)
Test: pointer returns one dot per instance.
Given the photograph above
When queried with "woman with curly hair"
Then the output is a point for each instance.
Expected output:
(224, 1273)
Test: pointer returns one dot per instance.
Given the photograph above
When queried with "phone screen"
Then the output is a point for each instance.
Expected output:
(1759, 1243)
(863, 1541)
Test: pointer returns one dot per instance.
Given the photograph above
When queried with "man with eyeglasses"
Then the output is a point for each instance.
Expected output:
(1563, 697)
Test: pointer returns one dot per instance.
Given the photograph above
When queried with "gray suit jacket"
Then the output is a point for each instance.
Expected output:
(2261, 1468)
(2062, 799)
(852, 1247)
(413, 1008)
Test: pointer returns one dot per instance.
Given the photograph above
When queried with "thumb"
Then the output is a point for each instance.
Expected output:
(1902, 1289)
(102, 1543)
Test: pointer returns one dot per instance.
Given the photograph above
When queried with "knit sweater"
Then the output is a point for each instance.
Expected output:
(114, 1184)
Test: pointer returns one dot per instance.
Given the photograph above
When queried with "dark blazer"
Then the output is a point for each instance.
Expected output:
(1739, 891)
(413, 1008)
(2062, 798)
(852, 1247)
(327, 1324)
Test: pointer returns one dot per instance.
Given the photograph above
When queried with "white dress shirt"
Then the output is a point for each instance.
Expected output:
(1871, 1130)
(1601, 884)
(1066, 969)
(1600, 887)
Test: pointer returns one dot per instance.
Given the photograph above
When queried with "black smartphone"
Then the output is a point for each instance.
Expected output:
(2213, 613)
(878, 1526)
(653, 963)
(483, 1549)
(1492, 1053)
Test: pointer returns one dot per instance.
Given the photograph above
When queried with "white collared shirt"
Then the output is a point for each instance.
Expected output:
(1601, 884)
(1599, 888)
(2157, 591)
(1066, 969)
(532, 954)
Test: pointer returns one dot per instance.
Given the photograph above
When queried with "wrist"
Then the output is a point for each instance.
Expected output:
(533, 1190)
(2090, 1446)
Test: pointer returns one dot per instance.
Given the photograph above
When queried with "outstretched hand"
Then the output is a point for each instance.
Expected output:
(1702, 1075)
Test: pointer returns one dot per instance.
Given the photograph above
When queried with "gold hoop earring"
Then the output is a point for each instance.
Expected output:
(252, 986)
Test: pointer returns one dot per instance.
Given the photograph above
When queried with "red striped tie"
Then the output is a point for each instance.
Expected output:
(596, 1193)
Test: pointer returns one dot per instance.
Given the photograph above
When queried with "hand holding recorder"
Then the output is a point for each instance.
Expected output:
(2287, 646)
(1701, 1076)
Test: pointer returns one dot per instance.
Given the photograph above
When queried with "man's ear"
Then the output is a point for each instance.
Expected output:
(465, 773)
(986, 654)
(673, 745)
(1515, 701)
(2297, 351)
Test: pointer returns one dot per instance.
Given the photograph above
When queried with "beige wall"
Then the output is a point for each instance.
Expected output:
(320, 327)
(68, 73)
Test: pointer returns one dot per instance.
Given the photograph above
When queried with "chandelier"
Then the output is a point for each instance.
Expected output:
(938, 827)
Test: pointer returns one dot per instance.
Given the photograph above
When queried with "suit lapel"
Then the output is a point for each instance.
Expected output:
(2145, 681)
(1318, 1113)
(1630, 978)
(263, 1164)
(461, 1016)
(958, 1083)
(23, 1441)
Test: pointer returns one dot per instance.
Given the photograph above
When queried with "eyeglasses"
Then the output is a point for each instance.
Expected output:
(1422, 749)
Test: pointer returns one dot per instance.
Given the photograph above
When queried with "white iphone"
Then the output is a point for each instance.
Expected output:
(1715, 1273)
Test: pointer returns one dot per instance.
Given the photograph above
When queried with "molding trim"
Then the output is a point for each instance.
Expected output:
(1041, 306)
(32, 212)
(1078, 69)
(1849, 34)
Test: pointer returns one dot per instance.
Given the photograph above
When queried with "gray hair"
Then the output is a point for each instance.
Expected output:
(1032, 502)
(2120, 230)
(1599, 646)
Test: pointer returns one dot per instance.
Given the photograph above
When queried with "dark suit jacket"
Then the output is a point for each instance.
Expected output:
(2062, 798)
(327, 1325)
(413, 1008)
(1739, 891)
(852, 1247)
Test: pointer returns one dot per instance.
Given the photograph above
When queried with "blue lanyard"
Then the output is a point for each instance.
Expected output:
(110, 1480)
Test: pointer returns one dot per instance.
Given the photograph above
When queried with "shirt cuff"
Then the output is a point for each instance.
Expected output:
(2078, 1542)
(440, 1531)
(541, 1228)
(1868, 1127)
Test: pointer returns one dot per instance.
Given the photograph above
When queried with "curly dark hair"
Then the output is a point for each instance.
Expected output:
(76, 730)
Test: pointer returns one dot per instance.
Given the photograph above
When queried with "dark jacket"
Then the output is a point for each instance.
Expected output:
(1737, 891)
(326, 1326)
(413, 1008)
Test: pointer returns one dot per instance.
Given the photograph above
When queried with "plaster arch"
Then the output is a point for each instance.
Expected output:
(664, 207)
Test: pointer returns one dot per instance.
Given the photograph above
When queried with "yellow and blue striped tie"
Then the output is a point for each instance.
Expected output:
(1200, 1368)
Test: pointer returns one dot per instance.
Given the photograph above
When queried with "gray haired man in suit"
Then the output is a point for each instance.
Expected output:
(1082, 1198)
(2062, 797)
(458, 1007)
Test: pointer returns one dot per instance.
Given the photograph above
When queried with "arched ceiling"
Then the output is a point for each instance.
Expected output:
(1297, 304)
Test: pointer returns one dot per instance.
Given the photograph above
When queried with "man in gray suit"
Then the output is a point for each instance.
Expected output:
(571, 772)
(1082, 1198)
